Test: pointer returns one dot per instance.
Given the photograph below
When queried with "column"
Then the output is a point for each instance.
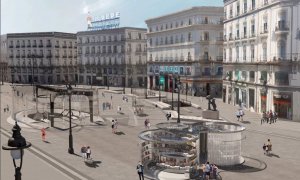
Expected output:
(91, 107)
(52, 97)
(203, 154)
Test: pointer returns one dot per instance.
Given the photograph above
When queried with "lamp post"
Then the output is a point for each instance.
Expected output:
(71, 149)
(178, 100)
(13, 102)
(173, 86)
(16, 145)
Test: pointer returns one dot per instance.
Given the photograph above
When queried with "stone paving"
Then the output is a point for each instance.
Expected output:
(117, 155)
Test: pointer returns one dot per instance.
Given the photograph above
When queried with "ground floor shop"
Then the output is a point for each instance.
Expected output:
(261, 99)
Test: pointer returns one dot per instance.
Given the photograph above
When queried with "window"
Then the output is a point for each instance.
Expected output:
(238, 32)
(238, 8)
(245, 6)
(230, 54)
(206, 36)
(253, 4)
(265, 30)
(281, 50)
(244, 53)
(252, 53)
(265, 52)
(190, 21)
(253, 30)
(190, 37)
(206, 20)
(245, 31)
(237, 53)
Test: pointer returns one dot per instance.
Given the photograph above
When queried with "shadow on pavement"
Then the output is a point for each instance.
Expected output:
(120, 133)
(246, 122)
(272, 154)
(92, 163)
(249, 165)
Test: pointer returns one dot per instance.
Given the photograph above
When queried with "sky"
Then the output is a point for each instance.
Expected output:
(19, 16)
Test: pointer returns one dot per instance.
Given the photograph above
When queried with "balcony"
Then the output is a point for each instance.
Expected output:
(70, 56)
(29, 46)
(11, 56)
(34, 46)
(75, 47)
(18, 56)
(49, 56)
(23, 56)
(56, 55)
(23, 46)
(64, 46)
(49, 45)
(219, 39)
(56, 46)
(40, 46)
(64, 56)
(281, 29)
(17, 46)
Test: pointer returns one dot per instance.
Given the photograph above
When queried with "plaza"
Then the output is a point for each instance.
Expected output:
(116, 155)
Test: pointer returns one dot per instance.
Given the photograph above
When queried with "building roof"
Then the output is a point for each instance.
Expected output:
(110, 30)
(42, 34)
(201, 9)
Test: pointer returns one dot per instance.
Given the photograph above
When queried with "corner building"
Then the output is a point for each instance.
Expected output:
(116, 56)
(42, 57)
(188, 45)
(262, 55)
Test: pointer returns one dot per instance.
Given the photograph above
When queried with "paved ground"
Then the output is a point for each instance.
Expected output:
(117, 155)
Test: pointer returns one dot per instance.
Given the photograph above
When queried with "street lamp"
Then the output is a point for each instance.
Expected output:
(16, 145)
(178, 100)
(173, 86)
(71, 149)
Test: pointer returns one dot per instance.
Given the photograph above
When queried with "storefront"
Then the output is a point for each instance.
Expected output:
(283, 105)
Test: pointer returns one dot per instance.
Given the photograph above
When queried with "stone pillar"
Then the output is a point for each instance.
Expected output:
(91, 108)
(203, 154)
(52, 97)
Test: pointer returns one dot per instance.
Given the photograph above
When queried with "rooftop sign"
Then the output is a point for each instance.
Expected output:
(107, 21)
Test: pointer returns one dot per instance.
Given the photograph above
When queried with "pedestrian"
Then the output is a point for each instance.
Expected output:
(116, 125)
(271, 116)
(146, 123)
(214, 171)
(207, 171)
(269, 146)
(7, 108)
(140, 170)
(238, 115)
(275, 116)
(43, 131)
(113, 126)
(111, 97)
(265, 148)
(83, 152)
(88, 152)
(263, 119)
(268, 116)
(241, 114)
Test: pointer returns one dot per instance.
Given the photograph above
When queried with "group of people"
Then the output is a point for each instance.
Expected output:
(240, 114)
(138, 110)
(106, 105)
(147, 124)
(6, 109)
(210, 171)
(86, 152)
(114, 125)
(269, 117)
(267, 147)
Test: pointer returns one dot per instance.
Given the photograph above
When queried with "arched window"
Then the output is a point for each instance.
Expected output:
(281, 45)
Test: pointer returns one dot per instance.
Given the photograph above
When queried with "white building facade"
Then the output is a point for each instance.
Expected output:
(262, 55)
(186, 44)
(116, 56)
(42, 57)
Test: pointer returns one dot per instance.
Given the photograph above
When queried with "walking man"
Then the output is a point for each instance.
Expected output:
(140, 170)
(88, 152)
(83, 152)
(43, 131)
(207, 171)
